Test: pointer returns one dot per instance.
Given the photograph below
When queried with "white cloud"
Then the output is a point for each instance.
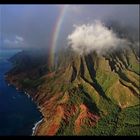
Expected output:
(17, 41)
(90, 37)
(19, 38)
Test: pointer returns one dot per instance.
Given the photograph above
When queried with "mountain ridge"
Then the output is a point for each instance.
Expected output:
(84, 94)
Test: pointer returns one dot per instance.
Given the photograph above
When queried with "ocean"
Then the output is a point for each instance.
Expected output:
(18, 113)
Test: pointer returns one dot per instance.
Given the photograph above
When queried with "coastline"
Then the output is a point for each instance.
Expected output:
(38, 122)
(12, 80)
(34, 129)
(39, 108)
(36, 126)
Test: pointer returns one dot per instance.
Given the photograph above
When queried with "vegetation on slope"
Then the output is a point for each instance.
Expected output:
(84, 95)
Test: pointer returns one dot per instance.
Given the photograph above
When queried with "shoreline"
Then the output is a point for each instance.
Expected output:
(35, 126)
(38, 107)
(7, 76)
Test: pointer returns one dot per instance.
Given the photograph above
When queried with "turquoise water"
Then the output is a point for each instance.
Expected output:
(18, 113)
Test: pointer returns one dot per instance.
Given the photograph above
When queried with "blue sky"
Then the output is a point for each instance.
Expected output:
(24, 26)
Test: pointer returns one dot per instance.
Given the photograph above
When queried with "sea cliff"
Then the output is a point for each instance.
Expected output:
(84, 94)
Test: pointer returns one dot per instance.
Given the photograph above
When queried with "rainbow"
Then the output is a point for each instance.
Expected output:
(55, 35)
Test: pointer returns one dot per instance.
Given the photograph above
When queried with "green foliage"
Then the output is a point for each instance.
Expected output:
(93, 79)
(117, 122)
(67, 126)
(106, 126)
(106, 79)
(29, 83)
(133, 62)
(67, 129)
(37, 82)
(26, 83)
(77, 97)
(129, 121)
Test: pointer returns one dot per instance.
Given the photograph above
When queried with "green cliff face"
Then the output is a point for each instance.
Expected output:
(84, 95)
